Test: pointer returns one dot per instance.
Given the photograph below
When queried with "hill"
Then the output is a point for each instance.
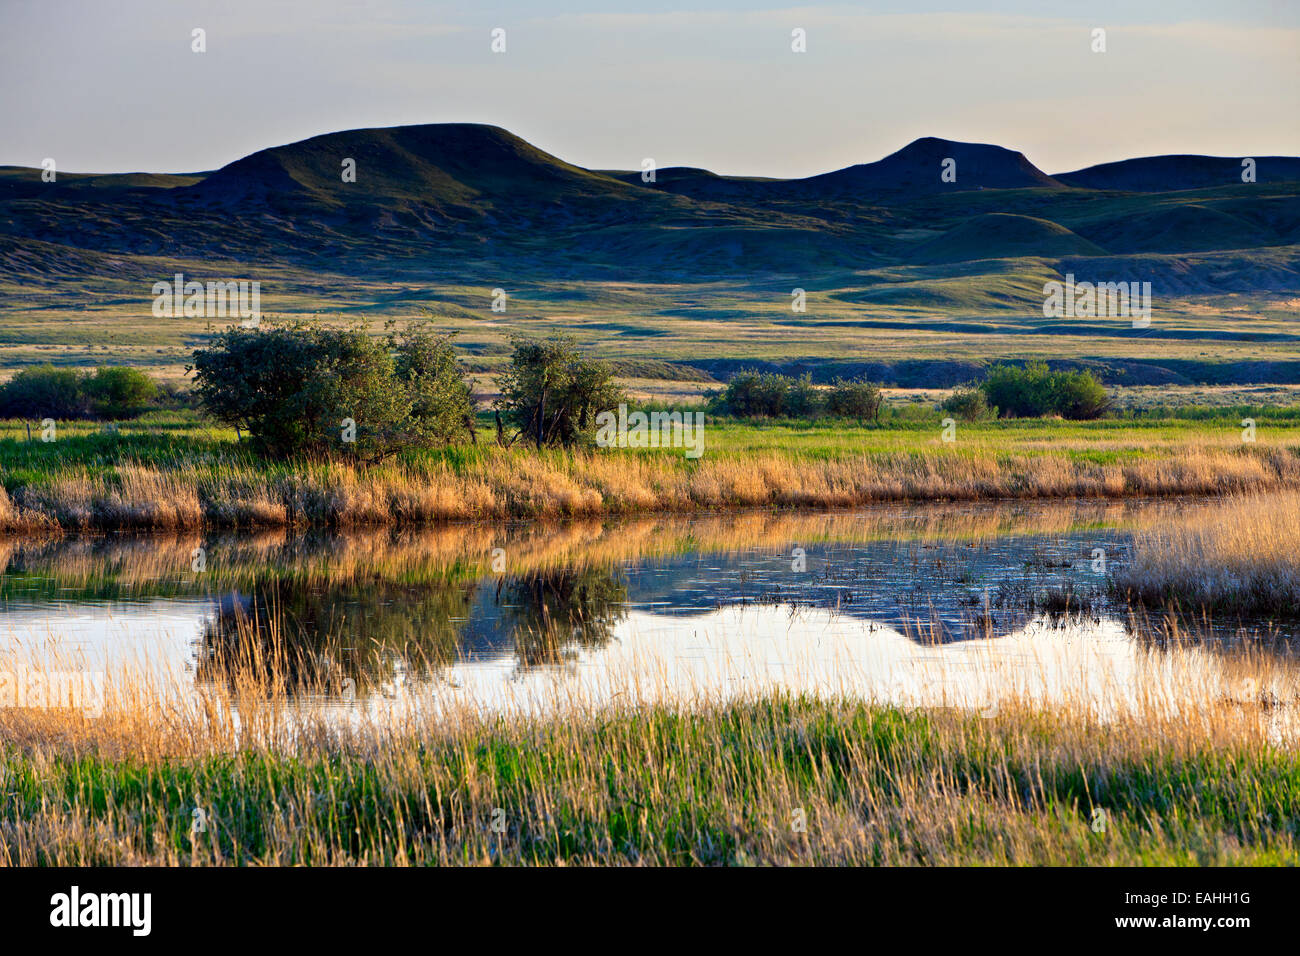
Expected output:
(1003, 236)
(1173, 173)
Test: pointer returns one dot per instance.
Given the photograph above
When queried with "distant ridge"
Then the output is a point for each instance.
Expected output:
(462, 196)
(1003, 236)
(1173, 173)
(447, 166)
(916, 168)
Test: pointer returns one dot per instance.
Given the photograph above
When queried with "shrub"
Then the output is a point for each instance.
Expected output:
(1079, 395)
(969, 404)
(1034, 391)
(752, 394)
(551, 394)
(1019, 392)
(117, 392)
(853, 398)
(293, 386)
(44, 391)
(801, 400)
(442, 402)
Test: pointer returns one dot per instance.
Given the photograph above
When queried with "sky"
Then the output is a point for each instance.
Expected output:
(114, 86)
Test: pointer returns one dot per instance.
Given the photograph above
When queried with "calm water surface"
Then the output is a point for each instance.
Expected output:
(956, 604)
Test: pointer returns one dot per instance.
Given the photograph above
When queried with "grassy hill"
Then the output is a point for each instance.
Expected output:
(901, 271)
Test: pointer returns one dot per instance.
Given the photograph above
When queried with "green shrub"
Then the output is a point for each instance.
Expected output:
(802, 399)
(1034, 390)
(1019, 392)
(44, 391)
(118, 392)
(969, 404)
(752, 394)
(1079, 395)
(551, 394)
(853, 398)
(442, 402)
(303, 389)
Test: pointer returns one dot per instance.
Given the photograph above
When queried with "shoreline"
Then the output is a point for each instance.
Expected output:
(497, 485)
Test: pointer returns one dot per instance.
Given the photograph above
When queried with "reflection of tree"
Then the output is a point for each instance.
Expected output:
(304, 635)
(551, 612)
(308, 636)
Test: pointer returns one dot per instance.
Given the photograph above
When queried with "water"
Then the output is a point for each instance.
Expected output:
(962, 605)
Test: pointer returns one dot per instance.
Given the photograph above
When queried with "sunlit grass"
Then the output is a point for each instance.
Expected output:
(178, 474)
(1241, 556)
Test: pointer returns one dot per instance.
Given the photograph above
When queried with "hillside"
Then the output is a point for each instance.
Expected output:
(1173, 173)
(1003, 236)
(902, 272)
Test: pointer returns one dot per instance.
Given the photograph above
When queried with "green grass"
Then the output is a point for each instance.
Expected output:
(718, 786)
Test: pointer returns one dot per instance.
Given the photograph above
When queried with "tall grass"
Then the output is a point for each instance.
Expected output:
(493, 483)
(1243, 556)
(1205, 776)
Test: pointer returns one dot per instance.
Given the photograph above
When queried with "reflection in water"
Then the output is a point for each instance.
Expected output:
(894, 603)
(370, 637)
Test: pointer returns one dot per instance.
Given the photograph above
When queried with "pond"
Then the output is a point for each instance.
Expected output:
(965, 605)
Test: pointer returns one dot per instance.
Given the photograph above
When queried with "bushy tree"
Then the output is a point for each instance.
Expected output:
(801, 399)
(1035, 390)
(442, 401)
(1019, 392)
(853, 398)
(969, 404)
(1078, 395)
(119, 392)
(294, 386)
(551, 394)
(44, 391)
(752, 394)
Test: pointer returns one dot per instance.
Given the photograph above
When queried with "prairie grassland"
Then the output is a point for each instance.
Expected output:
(767, 779)
(1243, 555)
(188, 478)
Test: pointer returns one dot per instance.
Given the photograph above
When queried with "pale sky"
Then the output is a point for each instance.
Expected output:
(112, 85)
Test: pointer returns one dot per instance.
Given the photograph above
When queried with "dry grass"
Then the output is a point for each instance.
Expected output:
(498, 484)
(1243, 555)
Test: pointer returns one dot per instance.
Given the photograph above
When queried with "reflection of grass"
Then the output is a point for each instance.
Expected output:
(154, 476)
(116, 567)
(1242, 556)
(772, 780)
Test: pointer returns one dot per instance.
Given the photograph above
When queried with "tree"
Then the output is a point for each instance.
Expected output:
(44, 391)
(854, 398)
(297, 387)
(442, 402)
(118, 392)
(1035, 390)
(969, 404)
(551, 394)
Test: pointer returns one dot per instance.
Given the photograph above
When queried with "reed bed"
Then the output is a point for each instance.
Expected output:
(508, 484)
(1242, 555)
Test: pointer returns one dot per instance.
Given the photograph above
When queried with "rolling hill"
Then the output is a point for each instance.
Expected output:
(693, 267)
